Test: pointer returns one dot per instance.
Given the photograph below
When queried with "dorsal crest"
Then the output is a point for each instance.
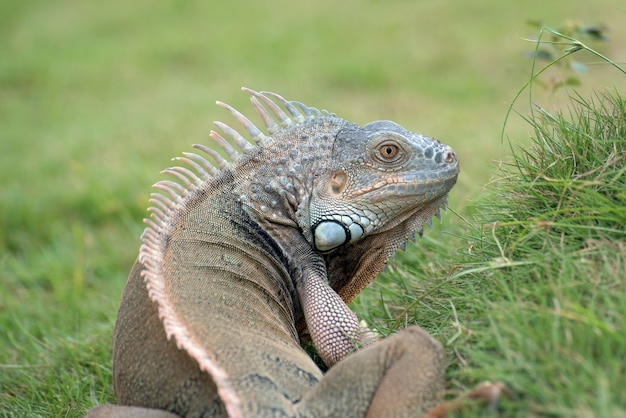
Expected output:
(192, 177)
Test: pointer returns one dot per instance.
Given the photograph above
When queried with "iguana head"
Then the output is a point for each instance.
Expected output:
(379, 175)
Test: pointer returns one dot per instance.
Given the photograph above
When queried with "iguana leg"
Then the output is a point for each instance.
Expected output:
(400, 376)
(334, 328)
(394, 377)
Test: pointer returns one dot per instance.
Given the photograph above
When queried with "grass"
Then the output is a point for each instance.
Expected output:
(533, 291)
(553, 240)
(549, 258)
(94, 99)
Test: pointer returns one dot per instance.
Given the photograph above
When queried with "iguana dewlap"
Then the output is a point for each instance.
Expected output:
(240, 249)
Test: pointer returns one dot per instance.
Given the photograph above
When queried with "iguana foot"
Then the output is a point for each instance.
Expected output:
(489, 392)
(399, 376)
(114, 411)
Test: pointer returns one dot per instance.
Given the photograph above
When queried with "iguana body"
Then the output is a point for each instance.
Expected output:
(242, 257)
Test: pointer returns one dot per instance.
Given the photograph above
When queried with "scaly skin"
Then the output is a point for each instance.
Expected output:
(289, 230)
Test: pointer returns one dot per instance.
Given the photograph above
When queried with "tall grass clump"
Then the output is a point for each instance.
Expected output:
(545, 266)
(531, 292)
(552, 243)
(566, 190)
(529, 289)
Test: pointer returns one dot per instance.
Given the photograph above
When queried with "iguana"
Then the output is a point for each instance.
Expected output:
(263, 245)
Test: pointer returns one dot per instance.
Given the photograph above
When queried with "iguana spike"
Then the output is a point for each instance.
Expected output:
(162, 198)
(145, 260)
(250, 127)
(438, 215)
(199, 169)
(149, 236)
(186, 176)
(159, 203)
(278, 113)
(219, 160)
(267, 119)
(318, 113)
(225, 145)
(308, 111)
(203, 162)
(175, 190)
(157, 212)
(312, 112)
(296, 116)
(429, 222)
(239, 140)
(152, 224)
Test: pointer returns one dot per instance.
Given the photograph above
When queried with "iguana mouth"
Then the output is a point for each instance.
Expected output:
(433, 183)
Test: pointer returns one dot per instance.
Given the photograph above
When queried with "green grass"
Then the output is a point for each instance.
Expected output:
(95, 99)
(552, 239)
(533, 292)
(547, 261)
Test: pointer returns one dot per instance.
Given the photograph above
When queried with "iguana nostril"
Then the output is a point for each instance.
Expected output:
(450, 157)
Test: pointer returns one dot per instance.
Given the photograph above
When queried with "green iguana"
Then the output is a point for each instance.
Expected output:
(246, 255)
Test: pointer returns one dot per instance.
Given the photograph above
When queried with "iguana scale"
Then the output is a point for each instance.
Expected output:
(246, 254)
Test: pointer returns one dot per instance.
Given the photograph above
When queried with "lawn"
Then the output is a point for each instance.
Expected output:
(95, 98)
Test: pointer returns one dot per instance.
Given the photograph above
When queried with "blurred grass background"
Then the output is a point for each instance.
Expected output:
(95, 98)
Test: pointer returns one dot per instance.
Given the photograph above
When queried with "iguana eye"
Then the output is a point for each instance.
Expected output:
(388, 151)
